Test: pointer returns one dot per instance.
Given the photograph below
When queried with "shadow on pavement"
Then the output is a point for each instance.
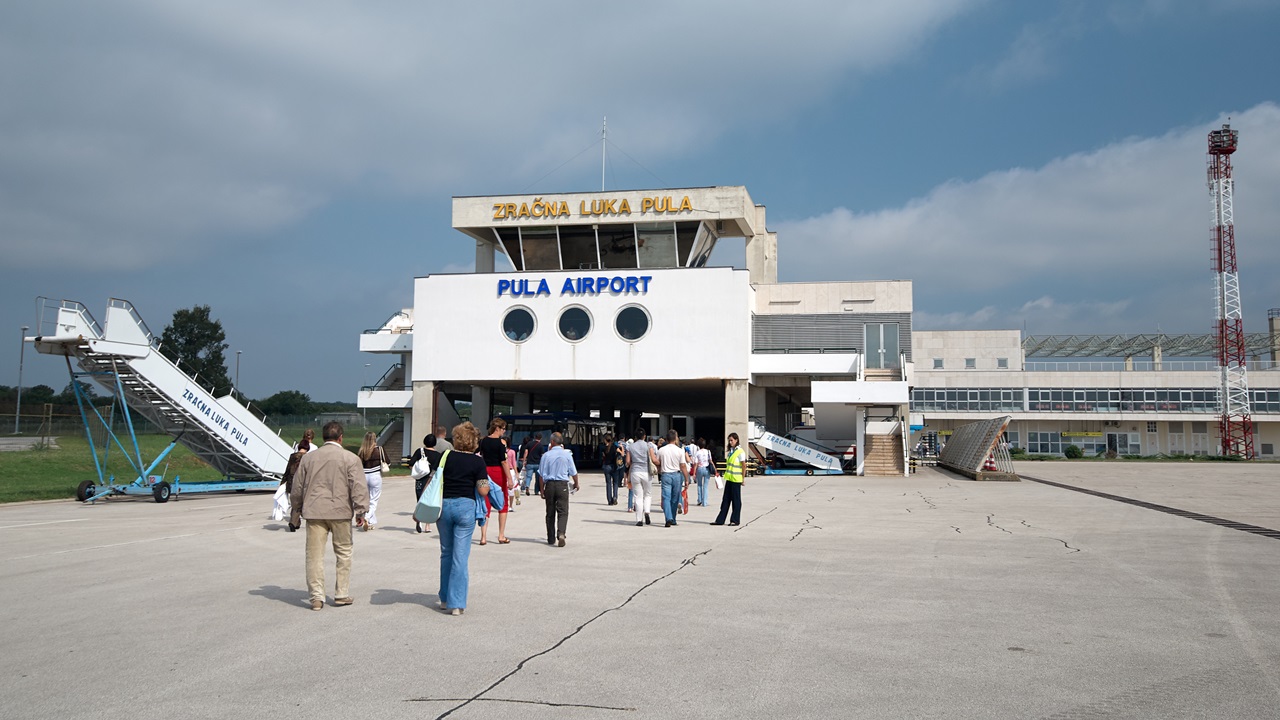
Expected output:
(393, 597)
(290, 596)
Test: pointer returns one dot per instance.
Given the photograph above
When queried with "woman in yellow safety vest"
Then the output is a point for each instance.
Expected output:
(734, 476)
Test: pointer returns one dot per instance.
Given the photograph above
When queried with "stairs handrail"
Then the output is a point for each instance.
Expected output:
(76, 305)
(133, 313)
(378, 383)
(383, 327)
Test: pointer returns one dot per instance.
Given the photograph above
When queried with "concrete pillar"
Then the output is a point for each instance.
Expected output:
(1157, 358)
(481, 407)
(423, 419)
(762, 258)
(1128, 363)
(664, 424)
(484, 257)
(758, 405)
(523, 404)
(689, 430)
(737, 408)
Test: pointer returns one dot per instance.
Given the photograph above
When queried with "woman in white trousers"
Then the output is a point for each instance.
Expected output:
(372, 457)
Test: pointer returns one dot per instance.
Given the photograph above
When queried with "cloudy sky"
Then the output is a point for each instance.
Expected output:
(1037, 165)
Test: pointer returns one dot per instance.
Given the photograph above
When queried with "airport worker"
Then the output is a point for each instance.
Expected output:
(640, 454)
(557, 470)
(673, 468)
(328, 489)
(734, 476)
(464, 475)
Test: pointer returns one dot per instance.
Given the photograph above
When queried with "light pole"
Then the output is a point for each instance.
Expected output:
(238, 393)
(22, 347)
(364, 411)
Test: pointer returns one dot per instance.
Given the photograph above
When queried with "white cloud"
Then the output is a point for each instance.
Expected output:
(1112, 240)
(131, 131)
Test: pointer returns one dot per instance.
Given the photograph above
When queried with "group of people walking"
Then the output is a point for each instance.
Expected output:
(335, 491)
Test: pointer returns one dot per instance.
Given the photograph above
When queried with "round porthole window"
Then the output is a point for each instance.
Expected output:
(632, 323)
(518, 324)
(575, 323)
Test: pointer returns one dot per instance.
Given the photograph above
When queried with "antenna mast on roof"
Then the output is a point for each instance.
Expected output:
(604, 144)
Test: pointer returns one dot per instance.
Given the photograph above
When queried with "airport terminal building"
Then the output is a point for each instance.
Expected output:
(609, 310)
(602, 305)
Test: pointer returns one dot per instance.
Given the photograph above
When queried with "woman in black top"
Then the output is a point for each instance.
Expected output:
(433, 459)
(500, 471)
(464, 475)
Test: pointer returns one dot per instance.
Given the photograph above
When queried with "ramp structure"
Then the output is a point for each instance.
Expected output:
(123, 356)
(977, 450)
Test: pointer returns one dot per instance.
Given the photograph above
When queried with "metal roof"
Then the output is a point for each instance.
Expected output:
(1134, 345)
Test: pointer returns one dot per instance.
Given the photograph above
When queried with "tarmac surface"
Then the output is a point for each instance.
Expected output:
(931, 596)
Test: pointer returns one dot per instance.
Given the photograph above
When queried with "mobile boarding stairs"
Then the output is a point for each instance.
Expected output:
(124, 357)
(816, 461)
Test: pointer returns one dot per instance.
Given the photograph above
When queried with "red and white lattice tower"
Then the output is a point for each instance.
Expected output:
(1235, 426)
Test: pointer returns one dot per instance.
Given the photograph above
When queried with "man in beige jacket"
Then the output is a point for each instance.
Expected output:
(328, 489)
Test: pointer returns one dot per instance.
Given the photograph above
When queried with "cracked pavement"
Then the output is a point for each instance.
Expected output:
(927, 596)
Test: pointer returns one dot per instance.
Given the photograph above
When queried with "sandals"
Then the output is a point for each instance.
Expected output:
(504, 541)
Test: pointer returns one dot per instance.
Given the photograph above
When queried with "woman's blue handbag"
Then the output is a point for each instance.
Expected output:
(432, 500)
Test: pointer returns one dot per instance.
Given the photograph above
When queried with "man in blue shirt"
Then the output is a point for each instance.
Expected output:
(557, 470)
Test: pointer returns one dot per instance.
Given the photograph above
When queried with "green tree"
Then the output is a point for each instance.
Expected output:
(287, 402)
(196, 341)
(68, 396)
(38, 394)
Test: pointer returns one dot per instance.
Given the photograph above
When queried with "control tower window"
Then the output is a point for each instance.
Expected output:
(657, 245)
(632, 323)
(575, 323)
(518, 324)
(578, 247)
(617, 247)
(541, 248)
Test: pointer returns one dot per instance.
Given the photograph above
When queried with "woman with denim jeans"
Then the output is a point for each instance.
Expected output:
(702, 460)
(463, 472)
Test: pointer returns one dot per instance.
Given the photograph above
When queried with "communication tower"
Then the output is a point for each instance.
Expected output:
(1235, 426)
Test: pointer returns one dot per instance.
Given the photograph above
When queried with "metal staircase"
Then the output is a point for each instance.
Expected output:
(123, 357)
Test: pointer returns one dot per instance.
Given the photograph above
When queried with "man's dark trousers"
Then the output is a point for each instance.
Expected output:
(556, 493)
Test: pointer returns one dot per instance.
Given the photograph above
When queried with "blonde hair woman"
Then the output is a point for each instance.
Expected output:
(372, 456)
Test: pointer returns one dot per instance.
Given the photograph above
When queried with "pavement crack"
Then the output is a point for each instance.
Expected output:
(815, 482)
(953, 527)
(992, 524)
(745, 524)
(546, 703)
(1064, 543)
(805, 526)
(463, 702)
(927, 501)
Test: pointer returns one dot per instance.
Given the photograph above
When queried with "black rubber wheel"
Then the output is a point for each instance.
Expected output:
(86, 490)
(777, 463)
(808, 472)
(161, 491)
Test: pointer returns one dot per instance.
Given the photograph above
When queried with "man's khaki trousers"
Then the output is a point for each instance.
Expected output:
(317, 533)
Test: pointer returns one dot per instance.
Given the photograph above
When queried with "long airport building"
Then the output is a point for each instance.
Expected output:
(602, 305)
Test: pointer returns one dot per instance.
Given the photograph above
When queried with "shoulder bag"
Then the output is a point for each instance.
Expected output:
(384, 467)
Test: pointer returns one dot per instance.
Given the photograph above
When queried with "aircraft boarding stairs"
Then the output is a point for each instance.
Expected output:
(123, 356)
(819, 462)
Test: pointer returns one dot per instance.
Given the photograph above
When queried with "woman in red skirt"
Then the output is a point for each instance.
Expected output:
(494, 453)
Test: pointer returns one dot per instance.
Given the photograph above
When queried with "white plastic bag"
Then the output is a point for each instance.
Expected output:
(281, 509)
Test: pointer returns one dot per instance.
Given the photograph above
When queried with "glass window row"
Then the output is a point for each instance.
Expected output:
(631, 323)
